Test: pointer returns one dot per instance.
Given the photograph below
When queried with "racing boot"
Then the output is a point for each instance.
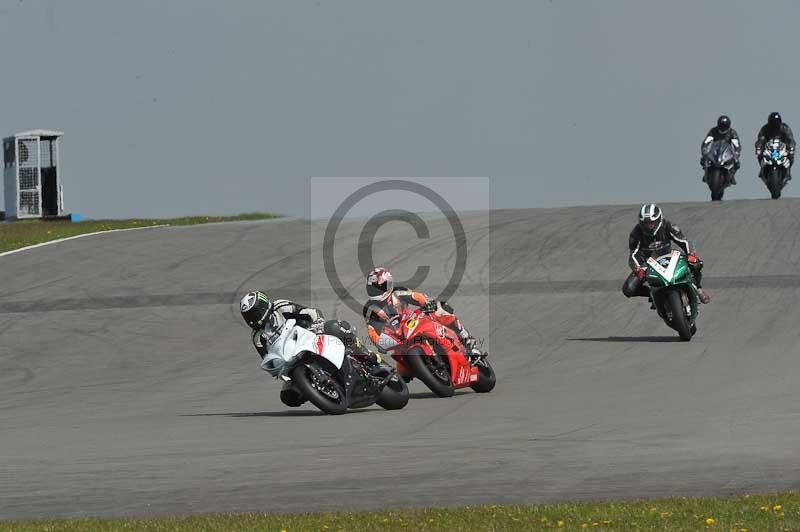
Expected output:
(372, 361)
(469, 341)
(291, 396)
(471, 345)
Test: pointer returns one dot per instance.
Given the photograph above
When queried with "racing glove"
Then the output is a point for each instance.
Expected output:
(431, 306)
(641, 273)
(693, 259)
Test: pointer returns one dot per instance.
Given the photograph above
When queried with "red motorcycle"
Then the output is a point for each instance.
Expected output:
(426, 349)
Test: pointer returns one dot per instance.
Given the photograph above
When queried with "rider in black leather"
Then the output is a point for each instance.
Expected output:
(722, 131)
(653, 236)
(776, 128)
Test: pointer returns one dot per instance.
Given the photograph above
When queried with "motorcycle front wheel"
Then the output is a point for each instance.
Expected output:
(321, 389)
(679, 321)
(433, 370)
(774, 182)
(716, 183)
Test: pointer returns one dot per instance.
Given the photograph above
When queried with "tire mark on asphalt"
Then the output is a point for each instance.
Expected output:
(498, 288)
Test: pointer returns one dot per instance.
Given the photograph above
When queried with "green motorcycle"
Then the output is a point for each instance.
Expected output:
(673, 292)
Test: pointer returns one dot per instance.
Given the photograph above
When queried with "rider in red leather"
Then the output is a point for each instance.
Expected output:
(387, 302)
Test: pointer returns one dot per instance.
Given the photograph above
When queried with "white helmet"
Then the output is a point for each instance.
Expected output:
(650, 218)
(379, 284)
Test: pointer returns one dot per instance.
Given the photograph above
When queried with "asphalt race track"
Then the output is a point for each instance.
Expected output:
(128, 385)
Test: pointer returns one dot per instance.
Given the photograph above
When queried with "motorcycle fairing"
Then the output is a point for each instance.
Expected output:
(721, 154)
(420, 334)
(294, 340)
(668, 272)
(775, 153)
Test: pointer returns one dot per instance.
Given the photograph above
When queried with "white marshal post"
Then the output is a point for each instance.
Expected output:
(32, 175)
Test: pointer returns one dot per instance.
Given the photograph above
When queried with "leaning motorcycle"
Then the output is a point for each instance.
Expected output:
(673, 292)
(718, 161)
(425, 349)
(775, 163)
(317, 368)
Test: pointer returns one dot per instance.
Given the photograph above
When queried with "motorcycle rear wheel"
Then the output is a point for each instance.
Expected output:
(715, 184)
(394, 395)
(679, 321)
(420, 363)
(333, 402)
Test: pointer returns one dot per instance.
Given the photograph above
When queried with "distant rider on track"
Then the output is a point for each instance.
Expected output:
(723, 131)
(652, 237)
(776, 128)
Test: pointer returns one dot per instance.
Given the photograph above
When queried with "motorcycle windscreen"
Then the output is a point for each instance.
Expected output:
(721, 152)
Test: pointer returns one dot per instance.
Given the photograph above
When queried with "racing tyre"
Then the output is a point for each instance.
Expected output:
(321, 389)
(774, 182)
(486, 377)
(679, 321)
(434, 371)
(716, 184)
(394, 395)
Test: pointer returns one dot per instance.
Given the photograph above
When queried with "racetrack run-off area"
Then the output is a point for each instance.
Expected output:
(129, 386)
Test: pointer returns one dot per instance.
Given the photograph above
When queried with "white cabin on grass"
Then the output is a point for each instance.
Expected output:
(31, 175)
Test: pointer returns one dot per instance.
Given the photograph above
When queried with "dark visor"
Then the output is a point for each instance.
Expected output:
(376, 290)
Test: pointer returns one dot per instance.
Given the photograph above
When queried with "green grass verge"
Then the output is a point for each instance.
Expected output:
(740, 514)
(15, 235)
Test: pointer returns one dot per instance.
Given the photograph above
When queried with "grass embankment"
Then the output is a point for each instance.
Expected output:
(15, 235)
(762, 513)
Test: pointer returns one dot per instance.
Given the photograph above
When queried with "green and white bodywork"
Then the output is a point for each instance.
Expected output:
(673, 291)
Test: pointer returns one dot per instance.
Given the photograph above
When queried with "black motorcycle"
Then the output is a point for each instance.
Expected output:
(719, 160)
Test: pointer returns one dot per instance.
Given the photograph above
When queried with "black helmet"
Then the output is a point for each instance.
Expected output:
(774, 120)
(723, 123)
(650, 218)
(255, 307)
(259, 313)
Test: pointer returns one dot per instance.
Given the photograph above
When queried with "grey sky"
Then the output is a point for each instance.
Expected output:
(217, 107)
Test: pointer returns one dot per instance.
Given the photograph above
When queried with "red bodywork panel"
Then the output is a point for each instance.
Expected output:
(419, 329)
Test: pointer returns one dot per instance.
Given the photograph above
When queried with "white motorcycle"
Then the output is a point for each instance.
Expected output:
(775, 164)
(316, 367)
